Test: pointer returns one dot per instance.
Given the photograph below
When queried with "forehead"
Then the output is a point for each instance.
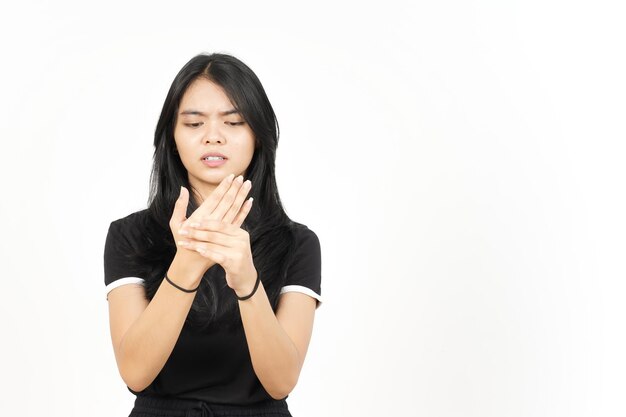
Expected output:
(206, 96)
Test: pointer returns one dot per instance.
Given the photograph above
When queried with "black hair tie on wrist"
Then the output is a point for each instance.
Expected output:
(256, 286)
(181, 288)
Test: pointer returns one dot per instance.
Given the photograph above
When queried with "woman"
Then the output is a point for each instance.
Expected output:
(212, 296)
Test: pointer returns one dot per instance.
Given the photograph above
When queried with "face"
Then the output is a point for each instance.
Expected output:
(207, 122)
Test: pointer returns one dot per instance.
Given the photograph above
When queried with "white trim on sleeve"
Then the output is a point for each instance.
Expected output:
(303, 290)
(123, 281)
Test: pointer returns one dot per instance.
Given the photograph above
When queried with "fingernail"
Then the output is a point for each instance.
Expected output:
(182, 243)
(240, 179)
(181, 192)
(230, 177)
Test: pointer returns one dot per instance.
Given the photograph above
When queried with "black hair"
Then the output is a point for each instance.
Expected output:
(269, 227)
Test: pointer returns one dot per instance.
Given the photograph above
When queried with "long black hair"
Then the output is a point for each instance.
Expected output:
(270, 229)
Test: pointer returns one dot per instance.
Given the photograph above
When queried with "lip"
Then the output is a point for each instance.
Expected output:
(213, 164)
(212, 154)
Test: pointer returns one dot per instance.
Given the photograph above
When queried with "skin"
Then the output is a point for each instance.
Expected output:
(208, 122)
(144, 334)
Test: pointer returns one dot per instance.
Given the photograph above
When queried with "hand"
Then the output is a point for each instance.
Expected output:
(229, 246)
(225, 203)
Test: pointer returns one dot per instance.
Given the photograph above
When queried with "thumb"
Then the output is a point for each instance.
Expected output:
(180, 207)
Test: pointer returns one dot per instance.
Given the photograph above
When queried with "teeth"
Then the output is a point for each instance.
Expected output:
(213, 158)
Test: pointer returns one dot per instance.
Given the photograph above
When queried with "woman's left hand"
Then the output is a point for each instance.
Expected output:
(227, 245)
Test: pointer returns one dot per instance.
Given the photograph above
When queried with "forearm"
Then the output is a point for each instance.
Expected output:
(148, 343)
(275, 359)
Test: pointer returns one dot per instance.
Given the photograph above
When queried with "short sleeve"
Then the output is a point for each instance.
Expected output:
(120, 267)
(304, 274)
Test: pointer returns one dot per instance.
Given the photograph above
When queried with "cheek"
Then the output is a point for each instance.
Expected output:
(177, 141)
(182, 149)
(249, 150)
(250, 142)
(182, 140)
(244, 143)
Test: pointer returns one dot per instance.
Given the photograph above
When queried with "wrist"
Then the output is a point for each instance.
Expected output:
(249, 290)
(184, 273)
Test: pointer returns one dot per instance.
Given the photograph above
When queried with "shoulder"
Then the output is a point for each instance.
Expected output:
(140, 233)
(132, 218)
(303, 233)
(130, 226)
(304, 269)
(306, 242)
(124, 243)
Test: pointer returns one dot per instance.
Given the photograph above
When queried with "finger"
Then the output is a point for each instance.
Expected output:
(219, 226)
(239, 200)
(215, 253)
(180, 209)
(183, 243)
(228, 199)
(201, 236)
(208, 205)
(243, 213)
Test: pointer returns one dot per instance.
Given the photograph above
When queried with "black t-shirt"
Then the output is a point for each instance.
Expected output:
(211, 366)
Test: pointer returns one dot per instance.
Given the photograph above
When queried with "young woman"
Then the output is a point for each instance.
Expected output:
(212, 294)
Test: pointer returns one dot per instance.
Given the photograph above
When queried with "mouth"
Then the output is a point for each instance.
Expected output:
(213, 156)
(212, 161)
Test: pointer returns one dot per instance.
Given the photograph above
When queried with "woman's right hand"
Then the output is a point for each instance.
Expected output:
(226, 203)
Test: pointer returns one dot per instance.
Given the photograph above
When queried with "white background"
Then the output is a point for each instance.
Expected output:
(462, 163)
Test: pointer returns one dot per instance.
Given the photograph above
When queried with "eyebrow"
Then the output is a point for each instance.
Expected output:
(192, 112)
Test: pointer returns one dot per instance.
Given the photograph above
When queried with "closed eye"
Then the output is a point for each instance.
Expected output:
(234, 123)
(193, 124)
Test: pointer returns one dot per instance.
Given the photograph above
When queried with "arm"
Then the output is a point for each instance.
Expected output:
(144, 334)
(278, 343)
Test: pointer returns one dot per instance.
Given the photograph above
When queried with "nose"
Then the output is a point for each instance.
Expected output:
(213, 133)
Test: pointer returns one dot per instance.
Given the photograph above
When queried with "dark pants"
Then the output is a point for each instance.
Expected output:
(146, 406)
